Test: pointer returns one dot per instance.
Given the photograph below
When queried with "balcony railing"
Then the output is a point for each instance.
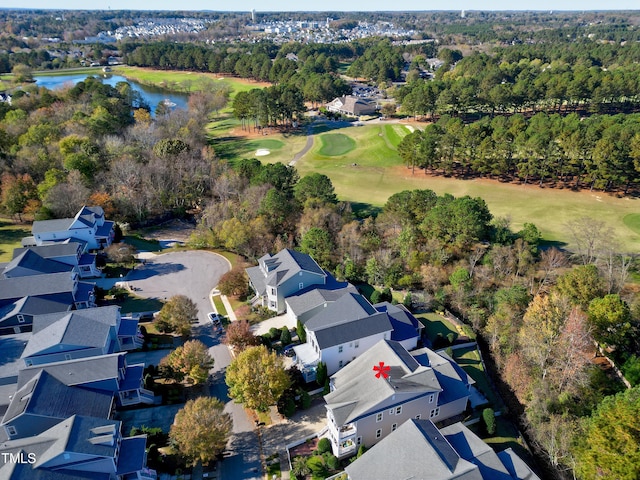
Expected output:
(346, 447)
(347, 431)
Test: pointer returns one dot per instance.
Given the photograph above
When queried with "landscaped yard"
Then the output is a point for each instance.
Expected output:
(10, 236)
(435, 324)
(133, 304)
(469, 360)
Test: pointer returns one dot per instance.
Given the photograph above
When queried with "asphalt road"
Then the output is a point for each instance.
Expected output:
(194, 274)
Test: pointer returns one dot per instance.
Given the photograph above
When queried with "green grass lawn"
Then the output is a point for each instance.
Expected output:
(469, 360)
(133, 303)
(435, 324)
(217, 301)
(142, 244)
(10, 237)
(335, 144)
(632, 221)
(373, 171)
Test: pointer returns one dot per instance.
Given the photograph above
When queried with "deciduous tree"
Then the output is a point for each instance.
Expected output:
(190, 362)
(176, 315)
(240, 336)
(201, 429)
(257, 378)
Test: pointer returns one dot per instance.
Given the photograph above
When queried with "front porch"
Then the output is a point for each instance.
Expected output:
(307, 360)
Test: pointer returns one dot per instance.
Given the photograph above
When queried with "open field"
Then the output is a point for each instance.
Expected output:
(10, 236)
(184, 81)
(373, 171)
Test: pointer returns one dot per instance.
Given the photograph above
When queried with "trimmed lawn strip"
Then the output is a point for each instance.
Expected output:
(469, 360)
(133, 304)
(632, 221)
(217, 301)
(11, 236)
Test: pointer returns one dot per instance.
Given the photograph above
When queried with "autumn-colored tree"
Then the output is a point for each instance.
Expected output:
(234, 282)
(120, 252)
(190, 362)
(201, 429)
(257, 378)
(176, 315)
(581, 284)
(17, 191)
(541, 327)
(240, 336)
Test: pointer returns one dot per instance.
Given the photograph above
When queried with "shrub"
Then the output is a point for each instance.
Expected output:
(305, 400)
(332, 462)
(234, 282)
(489, 421)
(317, 466)
(407, 301)
(324, 445)
(285, 336)
(361, 450)
(386, 296)
(274, 333)
(302, 334)
(321, 373)
(375, 297)
(451, 337)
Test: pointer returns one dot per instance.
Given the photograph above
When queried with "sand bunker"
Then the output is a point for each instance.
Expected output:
(261, 152)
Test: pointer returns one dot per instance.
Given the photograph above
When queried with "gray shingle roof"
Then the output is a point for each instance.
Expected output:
(51, 251)
(32, 306)
(358, 392)
(79, 371)
(470, 447)
(78, 329)
(57, 225)
(286, 264)
(30, 263)
(45, 396)
(347, 308)
(36, 285)
(416, 451)
(316, 295)
(404, 324)
(516, 466)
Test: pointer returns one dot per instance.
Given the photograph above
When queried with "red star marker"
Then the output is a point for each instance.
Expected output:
(382, 370)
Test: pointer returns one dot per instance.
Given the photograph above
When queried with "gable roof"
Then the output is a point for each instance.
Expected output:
(417, 451)
(56, 225)
(79, 328)
(79, 371)
(37, 285)
(53, 250)
(45, 396)
(31, 263)
(470, 447)
(32, 306)
(358, 393)
(316, 295)
(404, 324)
(516, 466)
(286, 264)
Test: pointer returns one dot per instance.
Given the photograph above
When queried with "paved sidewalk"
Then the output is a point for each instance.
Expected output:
(230, 313)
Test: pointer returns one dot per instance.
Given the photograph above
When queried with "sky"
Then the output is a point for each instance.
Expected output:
(325, 5)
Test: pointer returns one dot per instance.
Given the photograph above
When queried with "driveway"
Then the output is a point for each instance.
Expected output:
(194, 274)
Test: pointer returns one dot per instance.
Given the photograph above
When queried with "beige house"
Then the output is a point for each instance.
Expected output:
(352, 106)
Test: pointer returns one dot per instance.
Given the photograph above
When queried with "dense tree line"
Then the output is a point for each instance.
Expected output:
(94, 143)
(600, 151)
(483, 84)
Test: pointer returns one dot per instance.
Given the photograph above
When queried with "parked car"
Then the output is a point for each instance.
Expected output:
(215, 318)
(289, 351)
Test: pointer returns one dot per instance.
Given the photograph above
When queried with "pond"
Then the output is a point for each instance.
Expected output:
(151, 95)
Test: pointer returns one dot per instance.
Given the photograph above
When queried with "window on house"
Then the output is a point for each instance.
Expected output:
(340, 349)
(431, 398)
(11, 430)
(378, 433)
(359, 441)
(28, 363)
(379, 417)
(418, 416)
(67, 356)
(399, 410)
(300, 285)
(356, 344)
(393, 427)
(435, 412)
(392, 411)
(340, 364)
(273, 291)
(20, 318)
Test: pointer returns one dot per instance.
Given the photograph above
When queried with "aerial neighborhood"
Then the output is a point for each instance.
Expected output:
(320, 245)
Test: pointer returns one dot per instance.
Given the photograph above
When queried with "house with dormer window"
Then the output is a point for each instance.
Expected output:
(281, 275)
(364, 406)
(89, 225)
